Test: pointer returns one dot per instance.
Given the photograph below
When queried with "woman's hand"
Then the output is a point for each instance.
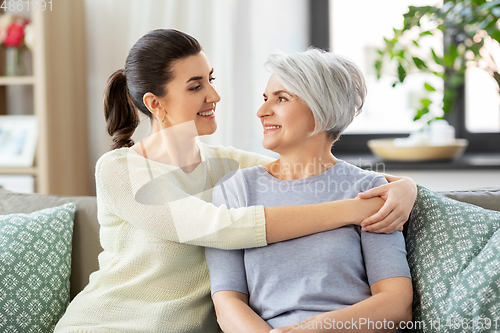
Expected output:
(399, 196)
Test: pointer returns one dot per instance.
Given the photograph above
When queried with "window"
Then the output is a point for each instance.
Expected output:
(356, 29)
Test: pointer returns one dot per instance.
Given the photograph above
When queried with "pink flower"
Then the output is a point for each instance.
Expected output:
(15, 36)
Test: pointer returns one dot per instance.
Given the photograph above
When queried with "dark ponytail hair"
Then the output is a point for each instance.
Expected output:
(148, 68)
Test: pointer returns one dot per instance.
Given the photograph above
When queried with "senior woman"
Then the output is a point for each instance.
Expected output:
(339, 279)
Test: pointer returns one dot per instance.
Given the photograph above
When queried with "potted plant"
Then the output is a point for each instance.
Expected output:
(469, 29)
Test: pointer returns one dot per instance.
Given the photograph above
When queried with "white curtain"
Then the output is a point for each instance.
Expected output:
(237, 36)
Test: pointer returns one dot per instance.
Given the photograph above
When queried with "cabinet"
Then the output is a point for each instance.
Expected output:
(56, 88)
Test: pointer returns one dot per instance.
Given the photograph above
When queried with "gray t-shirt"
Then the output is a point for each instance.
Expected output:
(291, 281)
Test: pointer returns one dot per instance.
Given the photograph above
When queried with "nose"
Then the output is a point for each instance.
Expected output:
(264, 111)
(213, 95)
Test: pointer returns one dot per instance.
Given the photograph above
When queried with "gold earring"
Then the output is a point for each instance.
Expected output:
(163, 121)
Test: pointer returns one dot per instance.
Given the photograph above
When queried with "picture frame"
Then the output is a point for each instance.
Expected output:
(18, 140)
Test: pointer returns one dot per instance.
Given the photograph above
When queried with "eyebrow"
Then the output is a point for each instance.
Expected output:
(196, 78)
(275, 93)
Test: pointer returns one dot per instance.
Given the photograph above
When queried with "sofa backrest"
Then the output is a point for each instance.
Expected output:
(86, 245)
(488, 198)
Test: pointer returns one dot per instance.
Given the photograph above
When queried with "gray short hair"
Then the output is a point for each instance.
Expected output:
(332, 86)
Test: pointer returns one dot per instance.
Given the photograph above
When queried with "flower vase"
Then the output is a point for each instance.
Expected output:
(14, 62)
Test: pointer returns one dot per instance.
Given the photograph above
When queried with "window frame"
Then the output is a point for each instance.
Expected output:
(319, 32)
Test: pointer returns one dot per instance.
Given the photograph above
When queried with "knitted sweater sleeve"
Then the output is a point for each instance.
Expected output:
(165, 209)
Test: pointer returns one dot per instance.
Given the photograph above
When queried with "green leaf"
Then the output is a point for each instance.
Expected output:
(434, 118)
(421, 112)
(401, 73)
(476, 47)
(419, 63)
(428, 87)
(378, 68)
(400, 54)
(425, 102)
(407, 23)
(495, 35)
(439, 74)
(437, 59)
(426, 33)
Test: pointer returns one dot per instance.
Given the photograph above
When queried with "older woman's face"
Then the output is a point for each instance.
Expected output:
(287, 120)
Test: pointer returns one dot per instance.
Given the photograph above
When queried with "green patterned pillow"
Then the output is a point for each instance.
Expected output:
(454, 257)
(35, 265)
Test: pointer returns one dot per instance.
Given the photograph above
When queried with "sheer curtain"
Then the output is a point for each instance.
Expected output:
(237, 36)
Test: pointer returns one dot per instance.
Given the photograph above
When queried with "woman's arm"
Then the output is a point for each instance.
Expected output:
(288, 222)
(399, 196)
(389, 304)
(235, 315)
(283, 223)
(166, 210)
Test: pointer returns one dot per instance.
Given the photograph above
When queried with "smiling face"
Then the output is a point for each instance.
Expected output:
(191, 95)
(287, 120)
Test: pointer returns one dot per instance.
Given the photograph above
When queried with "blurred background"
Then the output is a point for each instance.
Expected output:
(72, 46)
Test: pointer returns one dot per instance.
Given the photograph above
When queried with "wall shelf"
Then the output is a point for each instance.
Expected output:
(16, 80)
(19, 171)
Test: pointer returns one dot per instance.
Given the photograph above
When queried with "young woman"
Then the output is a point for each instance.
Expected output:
(339, 279)
(154, 198)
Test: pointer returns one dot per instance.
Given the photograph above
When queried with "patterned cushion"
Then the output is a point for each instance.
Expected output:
(454, 256)
(35, 264)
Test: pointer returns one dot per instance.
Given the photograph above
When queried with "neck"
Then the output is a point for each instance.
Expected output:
(175, 145)
(304, 162)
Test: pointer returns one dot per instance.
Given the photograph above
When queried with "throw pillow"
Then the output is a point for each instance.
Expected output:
(35, 265)
(454, 256)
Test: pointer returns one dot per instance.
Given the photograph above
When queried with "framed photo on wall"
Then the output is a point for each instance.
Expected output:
(18, 140)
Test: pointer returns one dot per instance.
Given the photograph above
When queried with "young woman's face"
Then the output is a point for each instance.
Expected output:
(287, 120)
(191, 95)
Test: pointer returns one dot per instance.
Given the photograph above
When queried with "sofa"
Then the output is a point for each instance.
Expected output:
(85, 245)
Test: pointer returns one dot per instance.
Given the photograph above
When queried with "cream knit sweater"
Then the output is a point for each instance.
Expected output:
(155, 221)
